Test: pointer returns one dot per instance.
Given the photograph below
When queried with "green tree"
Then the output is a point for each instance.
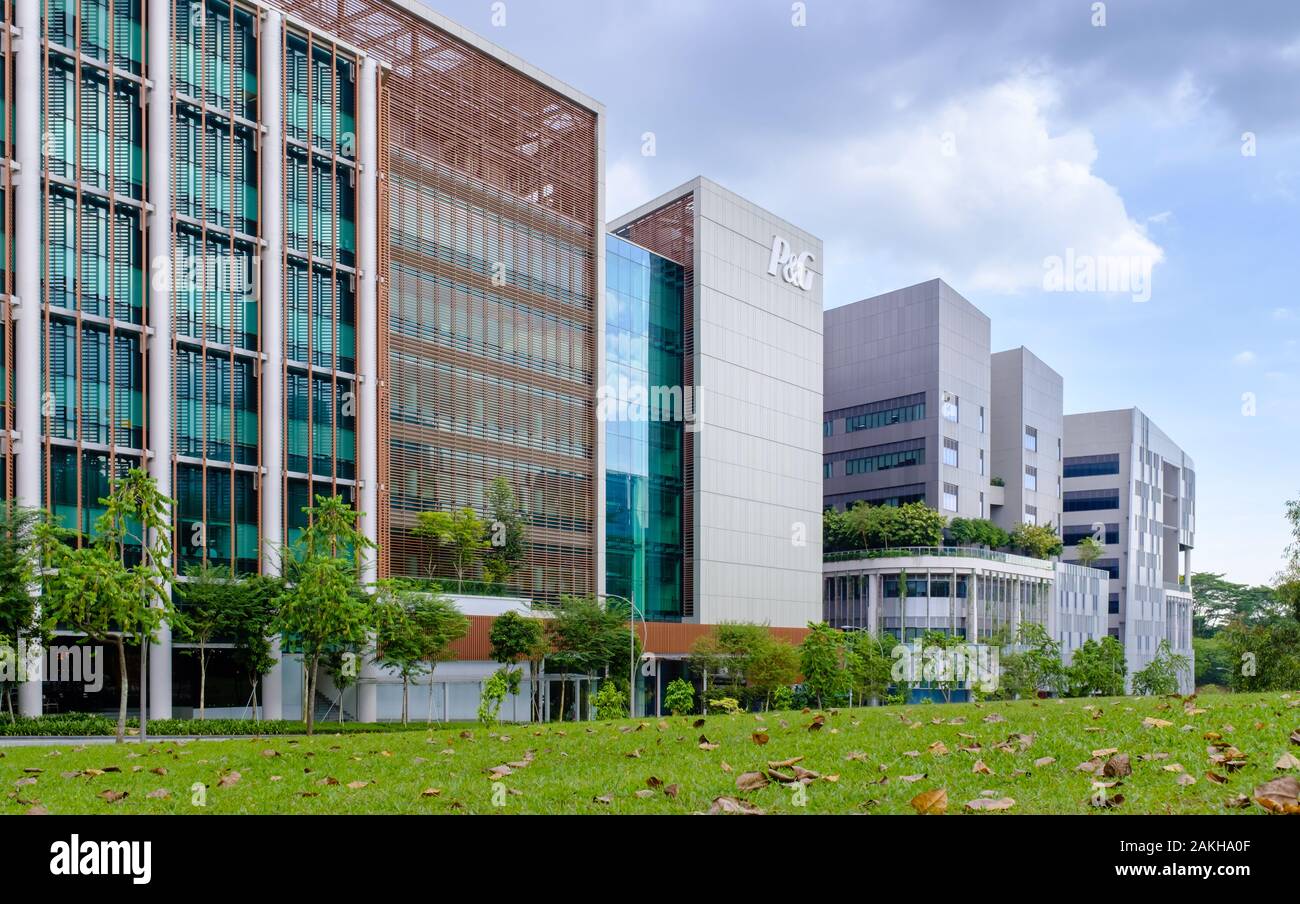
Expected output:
(977, 532)
(257, 608)
(413, 633)
(1039, 541)
(20, 614)
(918, 525)
(869, 526)
(1264, 657)
(679, 698)
(745, 659)
(515, 638)
(324, 606)
(1216, 601)
(836, 535)
(1098, 668)
(461, 533)
(869, 658)
(1089, 551)
(88, 586)
(1033, 665)
(1213, 661)
(611, 702)
(586, 637)
(495, 690)
(210, 606)
(821, 659)
(507, 533)
(1160, 675)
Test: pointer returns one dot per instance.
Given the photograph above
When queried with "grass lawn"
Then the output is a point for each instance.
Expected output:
(864, 759)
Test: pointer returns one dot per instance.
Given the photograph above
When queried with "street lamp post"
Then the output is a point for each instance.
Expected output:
(631, 626)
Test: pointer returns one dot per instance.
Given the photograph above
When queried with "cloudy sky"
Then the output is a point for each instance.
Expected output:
(974, 141)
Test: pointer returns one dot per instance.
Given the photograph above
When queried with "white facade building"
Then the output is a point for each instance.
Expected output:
(754, 355)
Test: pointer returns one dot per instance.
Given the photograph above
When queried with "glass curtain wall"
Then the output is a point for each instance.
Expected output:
(92, 369)
(215, 344)
(643, 434)
(321, 84)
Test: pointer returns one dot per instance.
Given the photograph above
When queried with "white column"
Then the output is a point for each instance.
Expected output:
(159, 441)
(27, 304)
(272, 310)
(368, 327)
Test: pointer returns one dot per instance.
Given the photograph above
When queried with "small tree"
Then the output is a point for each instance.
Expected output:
(210, 606)
(611, 702)
(870, 663)
(1036, 540)
(89, 586)
(257, 609)
(413, 632)
(679, 699)
(586, 637)
(507, 533)
(324, 606)
(462, 533)
(1089, 551)
(821, 659)
(1161, 674)
(514, 639)
(1098, 668)
(495, 689)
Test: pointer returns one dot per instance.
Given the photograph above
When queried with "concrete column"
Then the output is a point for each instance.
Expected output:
(368, 327)
(272, 312)
(158, 174)
(27, 304)
(368, 307)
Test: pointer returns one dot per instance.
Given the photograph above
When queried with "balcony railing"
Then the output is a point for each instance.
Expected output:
(963, 552)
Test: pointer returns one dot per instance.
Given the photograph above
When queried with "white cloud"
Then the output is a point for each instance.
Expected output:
(980, 191)
(1244, 359)
(1283, 314)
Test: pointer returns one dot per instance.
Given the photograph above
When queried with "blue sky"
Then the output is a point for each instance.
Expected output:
(972, 141)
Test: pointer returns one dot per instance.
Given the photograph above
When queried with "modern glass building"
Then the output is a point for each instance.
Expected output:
(270, 250)
(644, 427)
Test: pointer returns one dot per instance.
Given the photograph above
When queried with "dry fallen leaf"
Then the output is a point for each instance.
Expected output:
(1287, 761)
(644, 793)
(751, 781)
(913, 778)
(732, 805)
(981, 769)
(229, 779)
(1186, 779)
(931, 803)
(1150, 722)
(159, 794)
(672, 790)
(431, 792)
(113, 797)
(1281, 795)
(985, 803)
(1117, 766)
(759, 737)
(1044, 761)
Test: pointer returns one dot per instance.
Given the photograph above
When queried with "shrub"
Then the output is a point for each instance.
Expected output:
(611, 702)
(728, 705)
(679, 699)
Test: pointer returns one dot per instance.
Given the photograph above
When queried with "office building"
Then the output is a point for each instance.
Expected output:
(1130, 486)
(907, 399)
(748, 347)
(1025, 443)
(269, 250)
